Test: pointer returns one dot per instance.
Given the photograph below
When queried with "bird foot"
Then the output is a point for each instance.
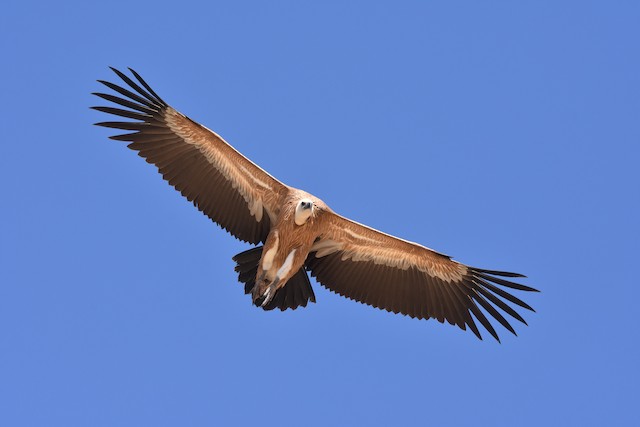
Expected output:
(267, 295)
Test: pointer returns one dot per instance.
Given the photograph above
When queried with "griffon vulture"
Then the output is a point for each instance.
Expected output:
(299, 232)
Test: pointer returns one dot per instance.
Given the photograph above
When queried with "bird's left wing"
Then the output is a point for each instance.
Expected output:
(222, 183)
(389, 273)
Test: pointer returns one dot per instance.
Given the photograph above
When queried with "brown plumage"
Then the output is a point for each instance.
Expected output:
(300, 232)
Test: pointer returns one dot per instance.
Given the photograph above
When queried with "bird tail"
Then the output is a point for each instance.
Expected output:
(295, 293)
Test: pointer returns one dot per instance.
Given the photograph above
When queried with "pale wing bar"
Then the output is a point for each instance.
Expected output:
(186, 165)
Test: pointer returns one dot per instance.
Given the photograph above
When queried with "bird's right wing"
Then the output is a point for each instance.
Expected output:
(222, 183)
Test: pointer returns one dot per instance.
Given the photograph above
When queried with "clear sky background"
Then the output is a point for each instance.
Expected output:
(505, 134)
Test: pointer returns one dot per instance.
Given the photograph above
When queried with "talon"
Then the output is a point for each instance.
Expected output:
(266, 295)
(270, 292)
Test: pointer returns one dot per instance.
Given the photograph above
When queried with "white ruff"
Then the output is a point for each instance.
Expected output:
(302, 215)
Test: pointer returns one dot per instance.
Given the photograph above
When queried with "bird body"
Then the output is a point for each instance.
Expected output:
(300, 232)
(289, 242)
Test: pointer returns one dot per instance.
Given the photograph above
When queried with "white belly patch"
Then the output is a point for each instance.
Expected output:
(286, 266)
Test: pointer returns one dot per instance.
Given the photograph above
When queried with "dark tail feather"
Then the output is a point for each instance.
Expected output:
(295, 293)
(247, 267)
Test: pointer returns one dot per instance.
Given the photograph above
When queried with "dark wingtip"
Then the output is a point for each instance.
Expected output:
(118, 72)
(146, 86)
(127, 137)
(498, 273)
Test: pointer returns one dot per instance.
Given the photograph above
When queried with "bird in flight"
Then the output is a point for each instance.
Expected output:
(298, 232)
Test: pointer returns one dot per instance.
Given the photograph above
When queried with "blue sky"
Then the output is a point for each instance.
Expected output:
(504, 134)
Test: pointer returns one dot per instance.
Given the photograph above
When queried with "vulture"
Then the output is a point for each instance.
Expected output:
(296, 233)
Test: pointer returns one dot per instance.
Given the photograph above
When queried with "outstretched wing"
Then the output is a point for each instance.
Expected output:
(377, 269)
(221, 182)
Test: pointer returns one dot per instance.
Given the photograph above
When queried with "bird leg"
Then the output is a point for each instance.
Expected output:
(263, 299)
(270, 292)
